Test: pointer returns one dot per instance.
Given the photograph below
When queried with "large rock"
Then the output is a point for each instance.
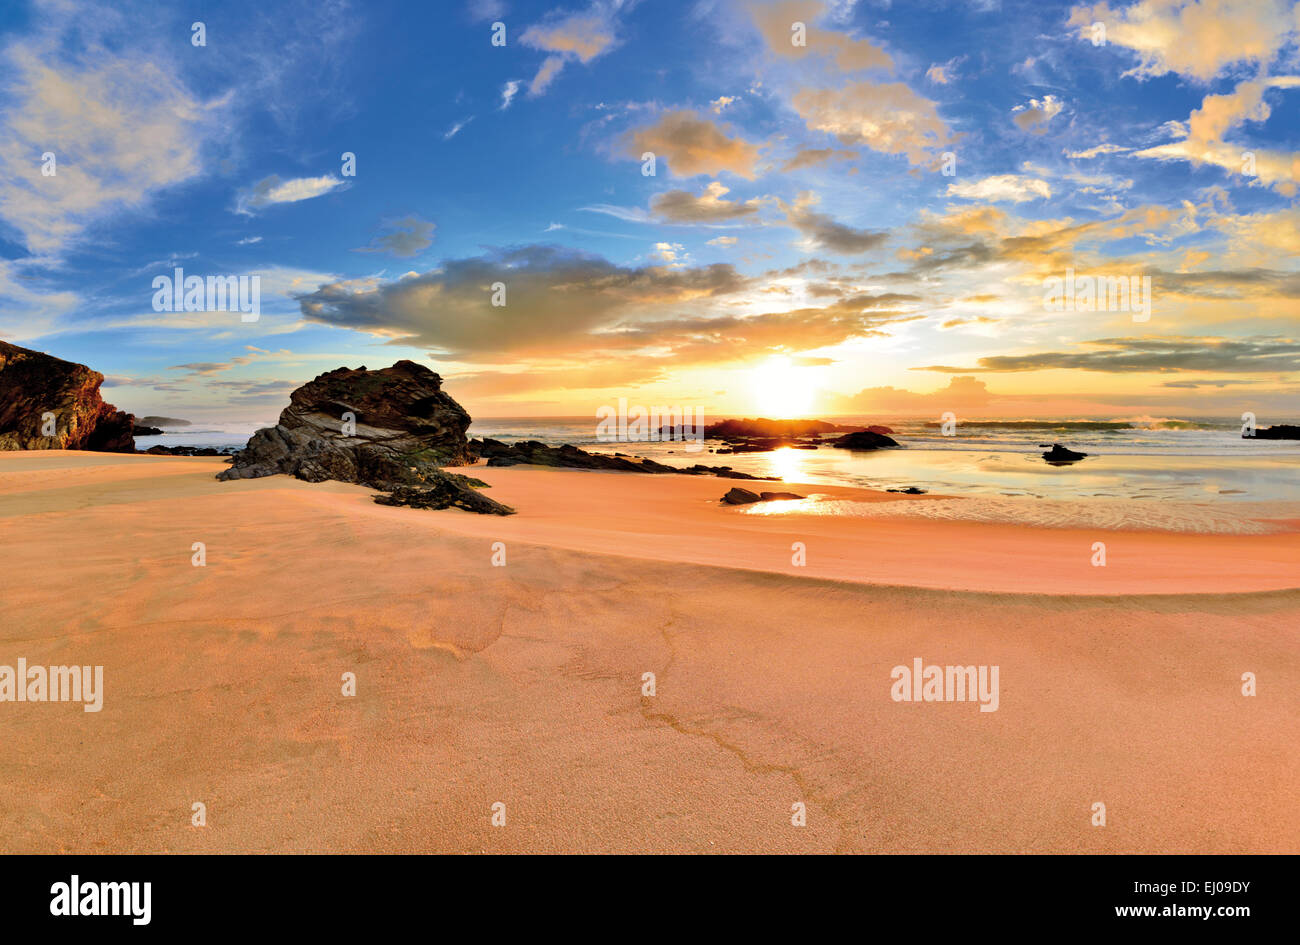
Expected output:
(403, 428)
(1282, 431)
(865, 440)
(34, 385)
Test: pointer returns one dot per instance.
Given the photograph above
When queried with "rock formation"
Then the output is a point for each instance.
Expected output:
(391, 429)
(50, 404)
(536, 453)
(1058, 455)
(1282, 431)
(380, 428)
(739, 496)
(865, 440)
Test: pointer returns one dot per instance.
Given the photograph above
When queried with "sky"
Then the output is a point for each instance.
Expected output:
(743, 207)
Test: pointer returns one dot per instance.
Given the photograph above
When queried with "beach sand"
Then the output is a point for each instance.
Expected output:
(522, 684)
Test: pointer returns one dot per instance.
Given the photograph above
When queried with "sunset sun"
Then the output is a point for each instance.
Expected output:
(781, 389)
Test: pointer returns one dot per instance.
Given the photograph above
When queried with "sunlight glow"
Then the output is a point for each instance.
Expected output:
(781, 390)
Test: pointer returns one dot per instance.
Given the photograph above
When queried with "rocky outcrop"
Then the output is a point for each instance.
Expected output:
(1282, 431)
(763, 435)
(446, 491)
(740, 496)
(392, 429)
(383, 428)
(1058, 455)
(865, 440)
(50, 404)
(536, 453)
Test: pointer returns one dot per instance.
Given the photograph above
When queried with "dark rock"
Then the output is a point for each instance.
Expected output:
(161, 422)
(536, 453)
(139, 430)
(187, 451)
(865, 440)
(739, 496)
(771, 496)
(910, 490)
(1281, 431)
(33, 384)
(1058, 455)
(405, 427)
(446, 490)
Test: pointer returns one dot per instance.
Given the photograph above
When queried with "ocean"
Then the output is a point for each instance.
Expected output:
(1198, 459)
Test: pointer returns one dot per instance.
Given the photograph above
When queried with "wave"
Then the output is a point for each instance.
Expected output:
(1100, 426)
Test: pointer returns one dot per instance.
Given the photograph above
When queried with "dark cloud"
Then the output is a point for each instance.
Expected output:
(1142, 355)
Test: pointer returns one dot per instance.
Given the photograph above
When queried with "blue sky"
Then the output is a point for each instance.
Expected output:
(799, 248)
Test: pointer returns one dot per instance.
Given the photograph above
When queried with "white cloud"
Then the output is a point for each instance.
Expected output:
(1013, 188)
(1035, 114)
(1098, 150)
(121, 128)
(456, 128)
(508, 93)
(273, 190)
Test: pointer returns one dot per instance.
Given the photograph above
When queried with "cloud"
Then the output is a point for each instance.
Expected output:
(272, 190)
(726, 242)
(678, 206)
(670, 254)
(1013, 188)
(810, 157)
(404, 238)
(578, 36)
(248, 241)
(886, 117)
(121, 127)
(962, 393)
(1219, 114)
(555, 297)
(822, 232)
(1152, 355)
(693, 145)
(718, 104)
(938, 74)
(1035, 115)
(508, 93)
(456, 128)
(481, 10)
(1194, 38)
(581, 321)
(776, 21)
(1098, 150)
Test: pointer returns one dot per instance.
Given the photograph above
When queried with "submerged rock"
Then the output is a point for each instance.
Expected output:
(865, 440)
(47, 403)
(1058, 455)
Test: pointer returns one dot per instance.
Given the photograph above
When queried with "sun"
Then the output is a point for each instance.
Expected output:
(783, 391)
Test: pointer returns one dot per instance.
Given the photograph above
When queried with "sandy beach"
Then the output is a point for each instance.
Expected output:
(522, 684)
